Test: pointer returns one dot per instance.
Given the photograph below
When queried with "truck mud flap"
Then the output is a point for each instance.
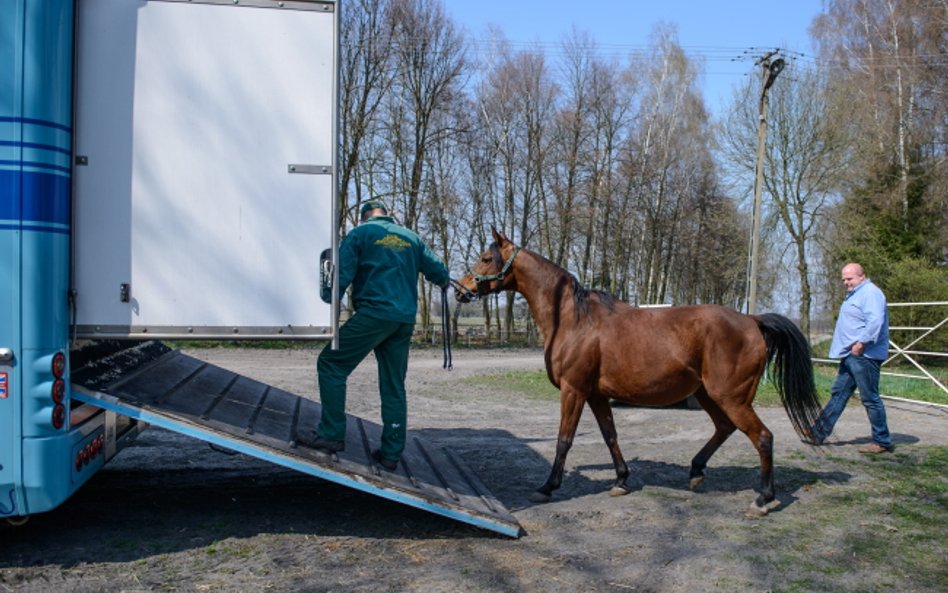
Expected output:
(163, 387)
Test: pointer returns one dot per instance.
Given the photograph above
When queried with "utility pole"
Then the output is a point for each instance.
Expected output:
(769, 72)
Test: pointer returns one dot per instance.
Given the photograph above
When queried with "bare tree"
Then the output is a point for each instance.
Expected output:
(474, 213)
(365, 78)
(805, 159)
(609, 110)
(431, 67)
(656, 160)
(711, 270)
(889, 56)
(516, 98)
(606, 170)
(890, 76)
(572, 134)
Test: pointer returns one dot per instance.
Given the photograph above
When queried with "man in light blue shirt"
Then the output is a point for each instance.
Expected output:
(861, 342)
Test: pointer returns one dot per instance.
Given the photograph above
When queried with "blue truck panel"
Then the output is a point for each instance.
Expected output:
(35, 146)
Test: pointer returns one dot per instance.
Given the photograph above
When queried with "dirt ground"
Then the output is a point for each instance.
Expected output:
(173, 514)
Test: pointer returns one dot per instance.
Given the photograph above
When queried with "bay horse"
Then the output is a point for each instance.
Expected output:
(597, 348)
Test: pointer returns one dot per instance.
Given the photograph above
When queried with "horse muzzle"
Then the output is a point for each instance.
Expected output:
(462, 293)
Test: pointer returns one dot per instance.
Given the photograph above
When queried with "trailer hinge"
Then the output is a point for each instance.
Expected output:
(309, 169)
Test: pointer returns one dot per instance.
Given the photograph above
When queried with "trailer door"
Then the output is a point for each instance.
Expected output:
(204, 186)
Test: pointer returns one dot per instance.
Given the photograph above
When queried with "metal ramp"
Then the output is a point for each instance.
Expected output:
(163, 387)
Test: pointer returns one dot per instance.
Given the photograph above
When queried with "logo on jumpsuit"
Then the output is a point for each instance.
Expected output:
(393, 242)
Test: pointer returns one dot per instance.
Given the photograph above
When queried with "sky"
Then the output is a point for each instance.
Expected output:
(727, 35)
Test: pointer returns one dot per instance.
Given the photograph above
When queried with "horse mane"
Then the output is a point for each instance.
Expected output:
(581, 294)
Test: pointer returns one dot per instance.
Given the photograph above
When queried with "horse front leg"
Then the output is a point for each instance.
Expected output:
(607, 426)
(571, 408)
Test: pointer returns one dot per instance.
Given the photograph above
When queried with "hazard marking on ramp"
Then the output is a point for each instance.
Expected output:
(163, 387)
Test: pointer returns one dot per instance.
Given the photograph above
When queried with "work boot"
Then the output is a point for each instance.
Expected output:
(388, 464)
(314, 441)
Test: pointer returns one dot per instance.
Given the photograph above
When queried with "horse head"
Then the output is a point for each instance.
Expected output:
(492, 272)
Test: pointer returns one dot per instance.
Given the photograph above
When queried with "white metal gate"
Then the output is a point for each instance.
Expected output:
(911, 351)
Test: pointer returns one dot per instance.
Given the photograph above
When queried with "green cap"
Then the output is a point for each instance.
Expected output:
(372, 205)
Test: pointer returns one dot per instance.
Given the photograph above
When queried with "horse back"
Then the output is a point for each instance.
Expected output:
(702, 334)
(659, 355)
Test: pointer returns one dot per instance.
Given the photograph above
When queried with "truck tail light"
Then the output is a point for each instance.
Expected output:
(59, 416)
(59, 365)
(58, 391)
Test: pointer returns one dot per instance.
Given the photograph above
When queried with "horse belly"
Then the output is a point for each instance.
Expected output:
(647, 390)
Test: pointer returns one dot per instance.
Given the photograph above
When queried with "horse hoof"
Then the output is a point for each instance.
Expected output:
(756, 512)
(619, 491)
(695, 483)
(538, 497)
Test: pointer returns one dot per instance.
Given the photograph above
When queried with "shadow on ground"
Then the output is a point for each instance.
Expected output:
(130, 512)
(512, 471)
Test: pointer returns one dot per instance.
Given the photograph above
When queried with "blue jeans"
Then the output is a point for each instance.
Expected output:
(861, 372)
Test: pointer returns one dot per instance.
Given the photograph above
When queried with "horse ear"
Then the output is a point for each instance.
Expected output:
(500, 238)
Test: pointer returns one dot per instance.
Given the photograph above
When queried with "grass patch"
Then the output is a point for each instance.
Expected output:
(823, 376)
(528, 384)
(916, 389)
(891, 526)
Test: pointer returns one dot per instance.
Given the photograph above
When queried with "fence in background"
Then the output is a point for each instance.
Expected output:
(479, 338)
(912, 355)
(912, 349)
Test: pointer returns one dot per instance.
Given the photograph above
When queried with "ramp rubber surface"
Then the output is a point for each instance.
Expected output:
(166, 388)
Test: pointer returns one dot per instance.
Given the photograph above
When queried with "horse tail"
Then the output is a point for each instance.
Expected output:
(788, 356)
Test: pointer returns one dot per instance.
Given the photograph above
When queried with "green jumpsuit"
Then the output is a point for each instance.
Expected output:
(381, 260)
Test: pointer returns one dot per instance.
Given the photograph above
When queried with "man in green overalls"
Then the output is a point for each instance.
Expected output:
(381, 260)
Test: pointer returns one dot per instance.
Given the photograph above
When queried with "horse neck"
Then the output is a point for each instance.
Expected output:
(548, 289)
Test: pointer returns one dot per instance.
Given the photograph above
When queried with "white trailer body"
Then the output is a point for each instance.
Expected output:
(204, 186)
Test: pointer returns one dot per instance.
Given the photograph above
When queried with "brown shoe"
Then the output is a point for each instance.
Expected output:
(875, 448)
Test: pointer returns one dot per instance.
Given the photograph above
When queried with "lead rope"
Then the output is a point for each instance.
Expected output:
(445, 328)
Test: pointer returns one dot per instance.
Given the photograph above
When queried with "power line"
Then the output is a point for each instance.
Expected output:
(706, 53)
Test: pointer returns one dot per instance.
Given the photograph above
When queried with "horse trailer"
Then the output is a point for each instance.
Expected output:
(168, 173)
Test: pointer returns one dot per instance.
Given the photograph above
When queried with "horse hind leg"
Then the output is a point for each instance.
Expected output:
(723, 429)
(748, 422)
(767, 499)
(607, 426)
